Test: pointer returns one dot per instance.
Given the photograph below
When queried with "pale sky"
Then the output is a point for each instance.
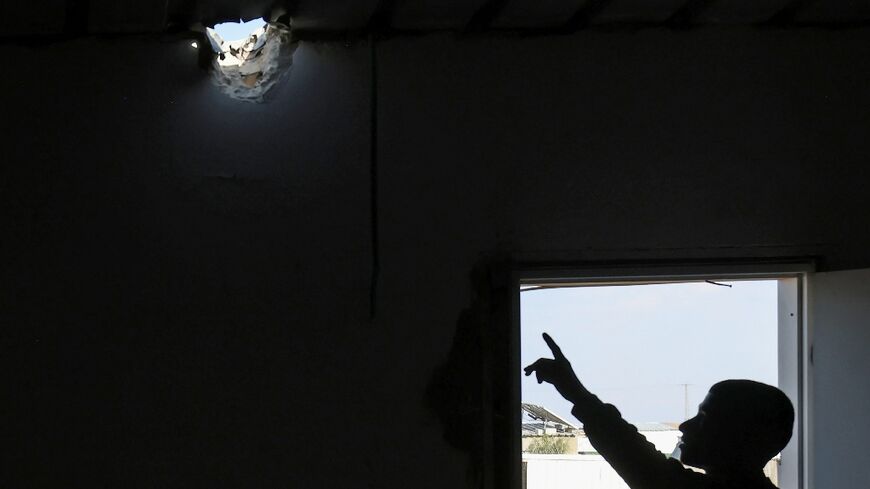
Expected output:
(634, 346)
(232, 31)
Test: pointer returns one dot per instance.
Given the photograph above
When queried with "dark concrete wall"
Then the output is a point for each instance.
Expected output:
(186, 278)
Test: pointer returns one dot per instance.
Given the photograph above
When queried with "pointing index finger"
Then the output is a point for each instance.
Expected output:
(557, 352)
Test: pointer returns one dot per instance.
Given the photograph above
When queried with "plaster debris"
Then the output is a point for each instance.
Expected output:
(246, 69)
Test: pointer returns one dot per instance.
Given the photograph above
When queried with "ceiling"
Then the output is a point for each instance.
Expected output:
(84, 17)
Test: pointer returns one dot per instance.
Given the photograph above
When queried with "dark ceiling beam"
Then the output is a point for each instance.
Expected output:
(689, 13)
(76, 17)
(182, 14)
(284, 11)
(788, 14)
(382, 17)
(486, 15)
(585, 15)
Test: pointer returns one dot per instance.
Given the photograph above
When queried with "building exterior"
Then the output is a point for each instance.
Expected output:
(582, 466)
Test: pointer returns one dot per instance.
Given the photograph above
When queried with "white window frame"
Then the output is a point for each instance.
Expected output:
(799, 377)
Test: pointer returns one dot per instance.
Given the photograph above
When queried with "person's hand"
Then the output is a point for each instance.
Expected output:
(556, 371)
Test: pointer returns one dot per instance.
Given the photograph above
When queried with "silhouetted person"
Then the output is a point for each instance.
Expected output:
(739, 427)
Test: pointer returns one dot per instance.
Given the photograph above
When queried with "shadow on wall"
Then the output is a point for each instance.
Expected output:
(463, 393)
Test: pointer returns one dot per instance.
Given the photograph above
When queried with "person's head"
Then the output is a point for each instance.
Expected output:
(741, 424)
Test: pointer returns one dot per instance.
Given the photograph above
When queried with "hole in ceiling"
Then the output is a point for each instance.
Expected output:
(250, 58)
(236, 31)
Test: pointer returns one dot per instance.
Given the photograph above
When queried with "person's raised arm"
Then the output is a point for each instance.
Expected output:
(558, 372)
(630, 454)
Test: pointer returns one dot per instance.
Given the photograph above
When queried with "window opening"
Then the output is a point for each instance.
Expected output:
(652, 350)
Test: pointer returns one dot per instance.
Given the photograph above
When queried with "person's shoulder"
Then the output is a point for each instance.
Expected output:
(683, 477)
